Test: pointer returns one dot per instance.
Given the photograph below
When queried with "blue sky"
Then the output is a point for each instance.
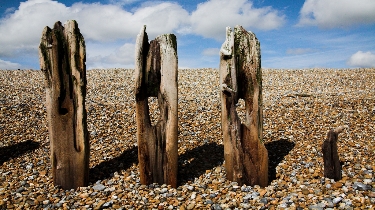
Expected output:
(292, 33)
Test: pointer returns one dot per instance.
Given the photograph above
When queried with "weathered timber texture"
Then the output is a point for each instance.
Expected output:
(156, 76)
(62, 55)
(332, 166)
(246, 157)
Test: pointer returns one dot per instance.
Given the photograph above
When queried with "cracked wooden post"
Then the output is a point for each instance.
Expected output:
(156, 76)
(62, 56)
(246, 157)
(332, 166)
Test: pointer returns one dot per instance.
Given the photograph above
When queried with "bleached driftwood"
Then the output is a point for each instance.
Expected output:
(156, 75)
(62, 55)
(246, 157)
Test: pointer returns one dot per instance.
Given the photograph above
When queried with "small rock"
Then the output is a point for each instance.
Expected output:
(98, 187)
(84, 195)
(337, 185)
(367, 181)
(245, 205)
(245, 188)
(262, 192)
(337, 200)
(21, 189)
(99, 205)
(208, 201)
(107, 204)
(216, 207)
(315, 207)
(361, 186)
(190, 206)
(305, 191)
(283, 205)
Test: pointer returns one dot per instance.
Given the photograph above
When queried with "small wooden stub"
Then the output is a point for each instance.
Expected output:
(332, 166)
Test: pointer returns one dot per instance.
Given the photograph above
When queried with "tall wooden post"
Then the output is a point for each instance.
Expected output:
(62, 57)
(156, 75)
(332, 166)
(246, 157)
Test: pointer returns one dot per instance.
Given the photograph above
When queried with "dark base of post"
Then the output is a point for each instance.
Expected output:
(332, 165)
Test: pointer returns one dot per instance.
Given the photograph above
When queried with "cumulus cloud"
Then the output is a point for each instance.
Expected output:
(9, 65)
(362, 59)
(211, 17)
(337, 13)
(122, 56)
(211, 52)
(22, 29)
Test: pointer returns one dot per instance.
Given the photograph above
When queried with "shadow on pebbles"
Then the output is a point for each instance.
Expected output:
(300, 106)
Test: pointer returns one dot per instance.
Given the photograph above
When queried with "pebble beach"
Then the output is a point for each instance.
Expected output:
(299, 108)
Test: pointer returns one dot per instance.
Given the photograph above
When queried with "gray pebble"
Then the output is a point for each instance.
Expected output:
(361, 186)
(21, 189)
(245, 188)
(216, 207)
(208, 201)
(98, 187)
(264, 200)
(337, 200)
(315, 207)
(107, 204)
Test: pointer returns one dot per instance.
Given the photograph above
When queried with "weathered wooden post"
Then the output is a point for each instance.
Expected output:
(156, 76)
(62, 57)
(246, 157)
(332, 166)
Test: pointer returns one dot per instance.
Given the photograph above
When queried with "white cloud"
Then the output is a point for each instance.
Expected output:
(22, 29)
(337, 13)
(211, 52)
(9, 65)
(362, 59)
(123, 56)
(212, 17)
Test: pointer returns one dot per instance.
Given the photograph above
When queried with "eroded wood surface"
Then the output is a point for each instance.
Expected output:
(246, 158)
(62, 55)
(156, 76)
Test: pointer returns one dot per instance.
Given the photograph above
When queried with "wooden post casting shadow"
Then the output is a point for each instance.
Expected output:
(246, 157)
(156, 75)
(62, 55)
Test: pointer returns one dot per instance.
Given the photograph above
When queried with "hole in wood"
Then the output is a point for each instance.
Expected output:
(241, 111)
(154, 110)
(63, 111)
